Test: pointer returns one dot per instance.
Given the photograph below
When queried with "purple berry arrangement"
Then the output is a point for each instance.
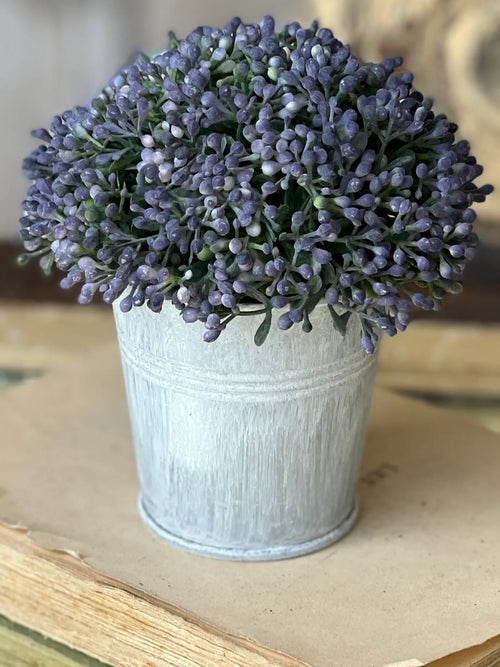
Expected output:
(246, 165)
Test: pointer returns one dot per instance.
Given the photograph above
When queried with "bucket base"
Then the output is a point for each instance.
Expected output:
(272, 553)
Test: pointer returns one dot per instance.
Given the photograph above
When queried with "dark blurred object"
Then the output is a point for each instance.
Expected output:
(29, 283)
(479, 302)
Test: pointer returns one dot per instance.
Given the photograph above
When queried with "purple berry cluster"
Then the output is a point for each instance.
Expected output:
(246, 165)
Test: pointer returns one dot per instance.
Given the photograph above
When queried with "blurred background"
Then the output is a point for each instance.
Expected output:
(58, 53)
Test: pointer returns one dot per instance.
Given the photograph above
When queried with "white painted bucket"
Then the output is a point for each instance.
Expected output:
(246, 452)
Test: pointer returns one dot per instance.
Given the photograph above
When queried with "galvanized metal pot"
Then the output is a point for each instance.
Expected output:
(245, 452)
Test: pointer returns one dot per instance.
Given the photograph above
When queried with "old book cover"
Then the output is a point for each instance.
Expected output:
(418, 577)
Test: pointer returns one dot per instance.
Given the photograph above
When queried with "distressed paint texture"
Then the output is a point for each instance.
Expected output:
(246, 452)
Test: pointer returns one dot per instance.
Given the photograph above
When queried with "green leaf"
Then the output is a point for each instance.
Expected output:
(315, 284)
(306, 324)
(406, 160)
(312, 302)
(226, 67)
(173, 41)
(205, 254)
(360, 141)
(328, 274)
(254, 293)
(198, 269)
(264, 328)
(309, 306)
(339, 321)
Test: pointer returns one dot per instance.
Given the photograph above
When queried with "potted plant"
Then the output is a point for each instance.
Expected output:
(259, 206)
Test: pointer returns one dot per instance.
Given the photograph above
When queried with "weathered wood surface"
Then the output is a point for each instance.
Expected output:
(108, 619)
(20, 647)
(453, 48)
(24, 648)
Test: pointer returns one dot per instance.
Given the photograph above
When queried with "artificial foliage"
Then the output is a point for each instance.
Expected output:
(250, 165)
